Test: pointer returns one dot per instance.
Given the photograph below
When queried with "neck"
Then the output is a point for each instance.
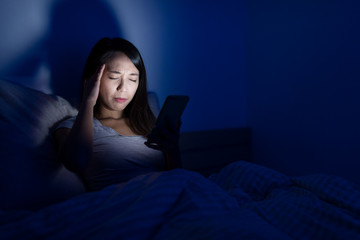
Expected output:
(104, 114)
(109, 118)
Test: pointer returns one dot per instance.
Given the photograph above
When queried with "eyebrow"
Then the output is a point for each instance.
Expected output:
(117, 72)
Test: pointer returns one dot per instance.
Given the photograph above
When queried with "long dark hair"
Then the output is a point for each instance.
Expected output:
(141, 118)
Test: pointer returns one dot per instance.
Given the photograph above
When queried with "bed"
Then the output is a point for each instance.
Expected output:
(40, 199)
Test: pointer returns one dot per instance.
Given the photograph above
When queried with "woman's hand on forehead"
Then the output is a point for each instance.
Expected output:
(92, 86)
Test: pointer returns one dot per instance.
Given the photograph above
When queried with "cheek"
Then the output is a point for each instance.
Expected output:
(136, 88)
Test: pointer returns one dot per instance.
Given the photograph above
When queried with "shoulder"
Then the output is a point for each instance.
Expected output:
(62, 130)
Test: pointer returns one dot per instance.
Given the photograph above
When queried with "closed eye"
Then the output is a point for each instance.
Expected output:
(113, 78)
(133, 80)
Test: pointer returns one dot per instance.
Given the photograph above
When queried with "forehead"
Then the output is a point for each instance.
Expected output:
(120, 62)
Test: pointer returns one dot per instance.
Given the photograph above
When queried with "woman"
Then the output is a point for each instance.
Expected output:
(104, 143)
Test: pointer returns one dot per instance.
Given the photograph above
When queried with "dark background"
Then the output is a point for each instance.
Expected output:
(287, 69)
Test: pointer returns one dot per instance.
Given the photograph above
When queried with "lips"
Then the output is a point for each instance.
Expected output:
(120, 100)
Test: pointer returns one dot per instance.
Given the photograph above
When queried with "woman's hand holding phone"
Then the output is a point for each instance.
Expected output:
(165, 137)
(166, 133)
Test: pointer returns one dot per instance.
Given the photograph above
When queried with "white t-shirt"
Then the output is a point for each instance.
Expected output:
(117, 158)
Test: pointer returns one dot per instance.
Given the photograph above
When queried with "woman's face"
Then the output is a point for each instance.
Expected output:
(118, 84)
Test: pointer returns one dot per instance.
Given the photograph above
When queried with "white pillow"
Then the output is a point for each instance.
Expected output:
(30, 177)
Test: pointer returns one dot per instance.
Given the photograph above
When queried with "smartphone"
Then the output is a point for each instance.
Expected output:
(171, 110)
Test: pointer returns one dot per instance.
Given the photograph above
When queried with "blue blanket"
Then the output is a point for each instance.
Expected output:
(243, 201)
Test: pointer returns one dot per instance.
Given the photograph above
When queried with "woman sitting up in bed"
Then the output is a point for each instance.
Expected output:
(104, 143)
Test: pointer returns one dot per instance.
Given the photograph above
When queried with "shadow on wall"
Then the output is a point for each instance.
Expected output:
(75, 27)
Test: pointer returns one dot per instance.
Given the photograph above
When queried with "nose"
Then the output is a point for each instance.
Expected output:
(121, 86)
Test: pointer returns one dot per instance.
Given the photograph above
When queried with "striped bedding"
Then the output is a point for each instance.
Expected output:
(243, 201)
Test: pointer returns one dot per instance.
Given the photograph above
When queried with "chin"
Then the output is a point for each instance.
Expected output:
(120, 108)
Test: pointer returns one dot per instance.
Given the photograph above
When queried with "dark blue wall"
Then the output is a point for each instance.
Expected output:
(304, 84)
(205, 57)
(49, 41)
(288, 70)
(189, 47)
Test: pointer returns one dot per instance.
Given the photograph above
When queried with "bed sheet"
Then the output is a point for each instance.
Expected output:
(243, 201)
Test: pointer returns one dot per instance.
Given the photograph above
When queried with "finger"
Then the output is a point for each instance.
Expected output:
(153, 146)
(155, 143)
(100, 72)
(162, 146)
(160, 140)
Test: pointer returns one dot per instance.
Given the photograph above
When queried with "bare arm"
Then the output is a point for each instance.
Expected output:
(75, 144)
